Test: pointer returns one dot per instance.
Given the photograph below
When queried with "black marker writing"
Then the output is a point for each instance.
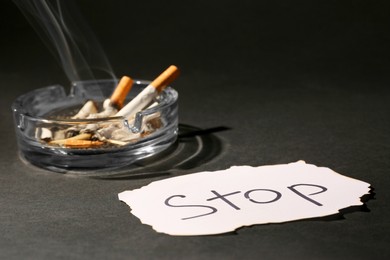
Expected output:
(167, 202)
(323, 189)
(247, 195)
(222, 197)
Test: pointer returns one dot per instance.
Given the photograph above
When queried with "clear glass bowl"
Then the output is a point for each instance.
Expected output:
(46, 108)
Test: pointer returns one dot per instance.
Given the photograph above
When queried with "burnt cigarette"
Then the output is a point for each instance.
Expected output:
(84, 136)
(43, 133)
(88, 109)
(82, 144)
(116, 142)
(149, 93)
(78, 141)
(115, 102)
(124, 135)
(108, 110)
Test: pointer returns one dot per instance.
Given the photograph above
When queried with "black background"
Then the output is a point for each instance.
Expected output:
(266, 82)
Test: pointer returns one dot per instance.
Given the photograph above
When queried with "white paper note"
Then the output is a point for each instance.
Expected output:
(217, 202)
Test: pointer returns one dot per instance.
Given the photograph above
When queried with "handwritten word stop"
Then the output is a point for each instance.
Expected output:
(217, 202)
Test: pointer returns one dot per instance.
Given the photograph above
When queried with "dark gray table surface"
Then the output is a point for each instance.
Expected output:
(263, 82)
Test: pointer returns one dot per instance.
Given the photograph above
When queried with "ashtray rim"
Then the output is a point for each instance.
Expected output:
(17, 107)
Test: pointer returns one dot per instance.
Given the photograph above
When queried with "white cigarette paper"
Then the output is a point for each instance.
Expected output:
(149, 93)
(139, 102)
(88, 108)
(43, 133)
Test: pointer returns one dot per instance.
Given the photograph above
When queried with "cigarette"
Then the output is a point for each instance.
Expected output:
(78, 141)
(108, 110)
(43, 133)
(117, 142)
(149, 93)
(165, 78)
(82, 143)
(124, 135)
(88, 108)
(85, 136)
(119, 95)
(115, 102)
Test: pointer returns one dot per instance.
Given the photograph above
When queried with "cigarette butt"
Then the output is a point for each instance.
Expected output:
(43, 133)
(165, 78)
(88, 108)
(81, 143)
(147, 95)
(85, 136)
(78, 141)
(119, 95)
(117, 142)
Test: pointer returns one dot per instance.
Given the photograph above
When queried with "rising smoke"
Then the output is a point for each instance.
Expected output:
(63, 29)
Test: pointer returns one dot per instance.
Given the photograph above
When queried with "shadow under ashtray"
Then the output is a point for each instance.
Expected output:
(194, 147)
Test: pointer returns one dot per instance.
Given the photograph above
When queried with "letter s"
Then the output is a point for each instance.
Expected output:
(167, 202)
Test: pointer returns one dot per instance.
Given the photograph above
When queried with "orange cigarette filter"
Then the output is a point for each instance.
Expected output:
(165, 78)
(119, 95)
(72, 143)
(85, 136)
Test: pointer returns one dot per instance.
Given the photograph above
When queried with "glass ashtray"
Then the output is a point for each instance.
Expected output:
(48, 109)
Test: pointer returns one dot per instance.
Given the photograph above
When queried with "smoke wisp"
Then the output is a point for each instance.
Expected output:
(63, 29)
